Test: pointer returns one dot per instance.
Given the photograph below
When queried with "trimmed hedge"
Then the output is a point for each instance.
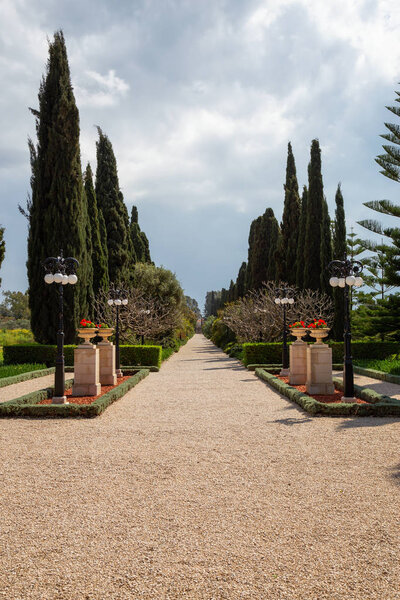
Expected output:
(41, 353)
(381, 406)
(25, 376)
(376, 374)
(271, 353)
(28, 405)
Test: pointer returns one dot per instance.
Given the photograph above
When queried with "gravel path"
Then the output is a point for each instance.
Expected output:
(200, 483)
(382, 387)
(25, 387)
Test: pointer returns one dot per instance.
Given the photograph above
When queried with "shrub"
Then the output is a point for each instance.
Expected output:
(15, 336)
(207, 326)
(129, 355)
(221, 335)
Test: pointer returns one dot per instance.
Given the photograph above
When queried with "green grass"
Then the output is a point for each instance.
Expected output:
(11, 370)
(388, 365)
(9, 337)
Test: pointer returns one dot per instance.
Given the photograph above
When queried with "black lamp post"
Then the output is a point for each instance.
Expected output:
(61, 271)
(345, 273)
(118, 297)
(284, 296)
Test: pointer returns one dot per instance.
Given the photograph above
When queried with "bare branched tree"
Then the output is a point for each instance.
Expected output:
(257, 317)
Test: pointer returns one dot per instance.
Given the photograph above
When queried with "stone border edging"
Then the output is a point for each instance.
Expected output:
(25, 376)
(382, 406)
(27, 405)
(389, 377)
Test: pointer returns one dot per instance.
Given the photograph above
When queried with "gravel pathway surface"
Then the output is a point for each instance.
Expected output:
(382, 387)
(25, 387)
(200, 483)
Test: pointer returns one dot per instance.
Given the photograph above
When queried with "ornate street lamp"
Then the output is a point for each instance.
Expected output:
(61, 271)
(284, 296)
(345, 274)
(118, 297)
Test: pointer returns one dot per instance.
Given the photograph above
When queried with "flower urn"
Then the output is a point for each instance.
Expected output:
(319, 334)
(86, 333)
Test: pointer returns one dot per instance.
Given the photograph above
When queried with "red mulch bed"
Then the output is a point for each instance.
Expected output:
(335, 398)
(88, 399)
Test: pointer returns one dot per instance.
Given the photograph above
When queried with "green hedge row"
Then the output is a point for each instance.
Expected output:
(129, 355)
(25, 376)
(381, 406)
(271, 353)
(28, 405)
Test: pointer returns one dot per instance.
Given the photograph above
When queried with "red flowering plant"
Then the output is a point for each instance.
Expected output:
(102, 326)
(297, 324)
(86, 324)
(318, 324)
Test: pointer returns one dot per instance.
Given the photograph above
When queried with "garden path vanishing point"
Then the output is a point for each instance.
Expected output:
(200, 483)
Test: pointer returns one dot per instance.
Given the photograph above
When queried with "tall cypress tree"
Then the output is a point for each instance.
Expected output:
(315, 216)
(326, 250)
(99, 258)
(288, 246)
(2, 247)
(241, 281)
(339, 253)
(139, 238)
(263, 249)
(301, 240)
(57, 211)
(110, 201)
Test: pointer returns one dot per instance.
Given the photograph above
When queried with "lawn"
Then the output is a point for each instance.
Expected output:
(388, 365)
(11, 370)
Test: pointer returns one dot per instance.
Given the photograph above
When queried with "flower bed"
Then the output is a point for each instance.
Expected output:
(335, 398)
(87, 399)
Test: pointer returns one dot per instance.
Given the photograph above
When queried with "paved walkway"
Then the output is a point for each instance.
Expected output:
(25, 387)
(201, 483)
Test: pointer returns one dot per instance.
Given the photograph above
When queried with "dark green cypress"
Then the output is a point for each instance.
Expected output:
(139, 238)
(315, 216)
(288, 245)
(2, 247)
(58, 211)
(263, 249)
(339, 253)
(301, 240)
(99, 258)
(326, 250)
(241, 281)
(110, 202)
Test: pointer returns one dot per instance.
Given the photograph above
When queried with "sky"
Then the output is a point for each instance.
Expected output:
(200, 99)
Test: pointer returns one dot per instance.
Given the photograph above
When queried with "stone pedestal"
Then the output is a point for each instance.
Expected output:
(108, 376)
(319, 369)
(86, 371)
(298, 363)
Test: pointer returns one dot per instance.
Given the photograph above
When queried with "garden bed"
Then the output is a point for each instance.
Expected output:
(87, 399)
(33, 405)
(371, 403)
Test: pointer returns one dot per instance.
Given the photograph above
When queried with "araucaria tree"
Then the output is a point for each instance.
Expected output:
(99, 257)
(315, 216)
(339, 253)
(58, 217)
(121, 256)
(288, 244)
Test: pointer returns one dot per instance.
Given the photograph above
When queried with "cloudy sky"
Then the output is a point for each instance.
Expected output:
(200, 98)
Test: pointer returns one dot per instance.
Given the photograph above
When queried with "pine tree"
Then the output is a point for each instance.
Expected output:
(99, 258)
(288, 245)
(301, 240)
(326, 250)
(339, 253)
(139, 239)
(110, 201)
(315, 215)
(2, 247)
(57, 211)
(241, 281)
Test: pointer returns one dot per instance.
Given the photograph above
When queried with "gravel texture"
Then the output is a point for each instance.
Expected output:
(200, 483)
(381, 387)
(26, 387)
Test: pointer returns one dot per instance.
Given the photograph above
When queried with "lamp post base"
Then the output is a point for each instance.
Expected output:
(59, 400)
(348, 400)
(119, 373)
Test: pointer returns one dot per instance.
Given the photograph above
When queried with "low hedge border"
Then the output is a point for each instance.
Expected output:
(382, 406)
(27, 406)
(389, 377)
(277, 368)
(25, 376)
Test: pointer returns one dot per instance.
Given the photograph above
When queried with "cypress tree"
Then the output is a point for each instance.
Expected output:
(139, 238)
(2, 247)
(99, 258)
(326, 250)
(301, 240)
(231, 291)
(274, 234)
(241, 281)
(110, 201)
(339, 253)
(288, 245)
(57, 210)
(263, 250)
(315, 216)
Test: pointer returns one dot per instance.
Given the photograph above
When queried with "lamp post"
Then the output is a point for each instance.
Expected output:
(118, 297)
(284, 296)
(144, 312)
(346, 273)
(61, 271)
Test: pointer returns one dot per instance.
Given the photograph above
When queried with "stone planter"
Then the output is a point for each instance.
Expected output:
(298, 333)
(86, 333)
(108, 375)
(319, 334)
(298, 357)
(105, 333)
